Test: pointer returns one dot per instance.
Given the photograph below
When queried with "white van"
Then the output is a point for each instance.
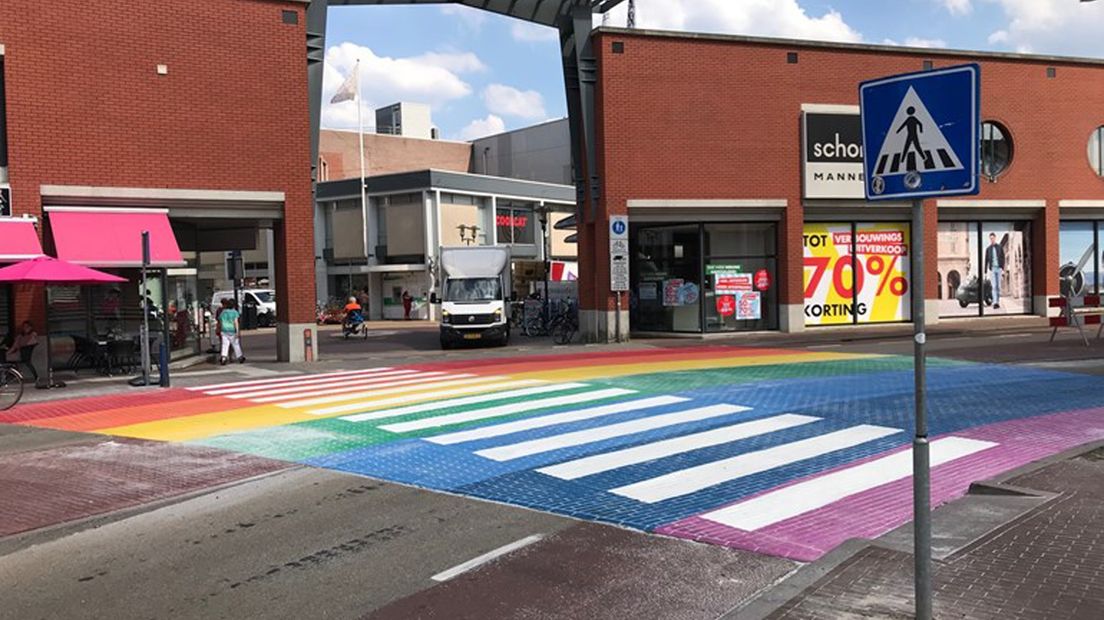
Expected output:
(264, 299)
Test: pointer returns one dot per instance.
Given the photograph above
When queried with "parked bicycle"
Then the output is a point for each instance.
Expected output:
(565, 323)
(11, 386)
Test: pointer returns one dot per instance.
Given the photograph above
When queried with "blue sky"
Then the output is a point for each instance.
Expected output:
(483, 73)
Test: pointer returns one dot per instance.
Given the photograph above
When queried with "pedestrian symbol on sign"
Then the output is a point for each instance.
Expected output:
(618, 227)
(916, 144)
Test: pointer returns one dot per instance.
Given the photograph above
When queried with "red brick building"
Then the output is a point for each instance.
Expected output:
(737, 157)
(195, 110)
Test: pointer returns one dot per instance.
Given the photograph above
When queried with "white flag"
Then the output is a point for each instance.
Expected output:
(348, 89)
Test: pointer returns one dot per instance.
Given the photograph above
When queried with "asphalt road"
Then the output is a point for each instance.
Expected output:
(308, 543)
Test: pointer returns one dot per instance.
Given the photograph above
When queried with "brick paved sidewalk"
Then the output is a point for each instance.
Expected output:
(1047, 564)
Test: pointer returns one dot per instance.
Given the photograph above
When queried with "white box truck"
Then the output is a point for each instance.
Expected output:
(474, 294)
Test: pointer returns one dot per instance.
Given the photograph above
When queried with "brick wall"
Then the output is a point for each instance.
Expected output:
(86, 107)
(386, 154)
(683, 117)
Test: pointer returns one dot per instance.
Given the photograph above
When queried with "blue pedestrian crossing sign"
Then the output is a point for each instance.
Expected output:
(920, 134)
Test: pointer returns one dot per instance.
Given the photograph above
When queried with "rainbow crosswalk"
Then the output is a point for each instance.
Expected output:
(781, 451)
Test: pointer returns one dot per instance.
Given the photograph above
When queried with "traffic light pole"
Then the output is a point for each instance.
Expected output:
(921, 462)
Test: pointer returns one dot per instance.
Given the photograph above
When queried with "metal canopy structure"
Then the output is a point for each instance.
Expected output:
(574, 21)
(546, 12)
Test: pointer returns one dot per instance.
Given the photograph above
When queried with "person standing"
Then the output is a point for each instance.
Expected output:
(408, 303)
(18, 353)
(229, 326)
(994, 264)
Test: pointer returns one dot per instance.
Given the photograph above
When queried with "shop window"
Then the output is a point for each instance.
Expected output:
(1078, 261)
(988, 267)
(857, 272)
(1096, 151)
(996, 149)
(740, 289)
(704, 277)
(516, 223)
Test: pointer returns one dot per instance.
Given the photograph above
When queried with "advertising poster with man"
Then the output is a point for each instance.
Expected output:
(856, 273)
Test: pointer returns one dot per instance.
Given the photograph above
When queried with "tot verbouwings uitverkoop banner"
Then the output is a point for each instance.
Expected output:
(856, 272)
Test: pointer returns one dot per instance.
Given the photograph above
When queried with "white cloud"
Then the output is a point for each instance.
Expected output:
(777, 18)
(957, 7)
(482, 127)
(466, 16)
(509, 101)
(917, 42)
(460, 62)
(529, 32)
(1050, 26)
(432, 78)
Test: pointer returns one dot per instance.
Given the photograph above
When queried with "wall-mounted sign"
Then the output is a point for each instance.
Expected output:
(832, 156)
(619, 253)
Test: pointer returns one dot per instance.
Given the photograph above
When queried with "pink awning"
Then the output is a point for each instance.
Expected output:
(18, 240)
(99, 237)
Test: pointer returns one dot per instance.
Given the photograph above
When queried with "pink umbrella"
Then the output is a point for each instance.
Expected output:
(50, 270)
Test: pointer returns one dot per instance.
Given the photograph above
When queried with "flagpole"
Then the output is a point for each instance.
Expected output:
(363, 186)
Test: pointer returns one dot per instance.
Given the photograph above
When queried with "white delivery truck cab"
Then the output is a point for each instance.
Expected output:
(474, 293)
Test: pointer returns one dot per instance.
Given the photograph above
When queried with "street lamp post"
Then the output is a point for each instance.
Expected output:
(542, 213)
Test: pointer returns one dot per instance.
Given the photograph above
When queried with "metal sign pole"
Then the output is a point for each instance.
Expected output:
(921, 482)
(145, 348)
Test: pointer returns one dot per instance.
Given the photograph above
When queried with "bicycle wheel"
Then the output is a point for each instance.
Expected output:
(11, 388)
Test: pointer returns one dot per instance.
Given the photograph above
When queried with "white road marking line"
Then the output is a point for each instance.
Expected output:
(286, 377)
(690, 480)
(591, 435)
(598, 463)
(331, 387)
(389, 382)
(460, 569)
(426, 387)
(501, 410)
(307, 382)
(788, 502)
(422, 396)
(458, 402)
(508, 428)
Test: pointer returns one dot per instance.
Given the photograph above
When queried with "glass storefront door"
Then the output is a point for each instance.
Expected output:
(667, 275)
(984, 268)
(714, 277)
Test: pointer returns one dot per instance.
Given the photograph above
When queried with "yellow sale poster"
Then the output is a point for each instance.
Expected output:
(856, 273)
(882, 261)
(829, 279)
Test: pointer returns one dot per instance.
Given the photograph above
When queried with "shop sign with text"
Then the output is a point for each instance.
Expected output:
(832, 155)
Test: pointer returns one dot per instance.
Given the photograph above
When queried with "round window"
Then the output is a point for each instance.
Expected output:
(996, 149)
(1096, 151)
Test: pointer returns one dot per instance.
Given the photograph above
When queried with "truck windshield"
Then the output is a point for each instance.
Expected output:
(264, 296)
(473, 289)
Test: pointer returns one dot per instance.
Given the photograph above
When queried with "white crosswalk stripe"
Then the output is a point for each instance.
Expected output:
(332, 384)
(508, 428)
(421, 386)
(453, 402)
(287, 378)
(481, 385)
(386, 383)
(792, 501)
(590, 465)
(693, 479)
(591, 435)
(503, 410)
